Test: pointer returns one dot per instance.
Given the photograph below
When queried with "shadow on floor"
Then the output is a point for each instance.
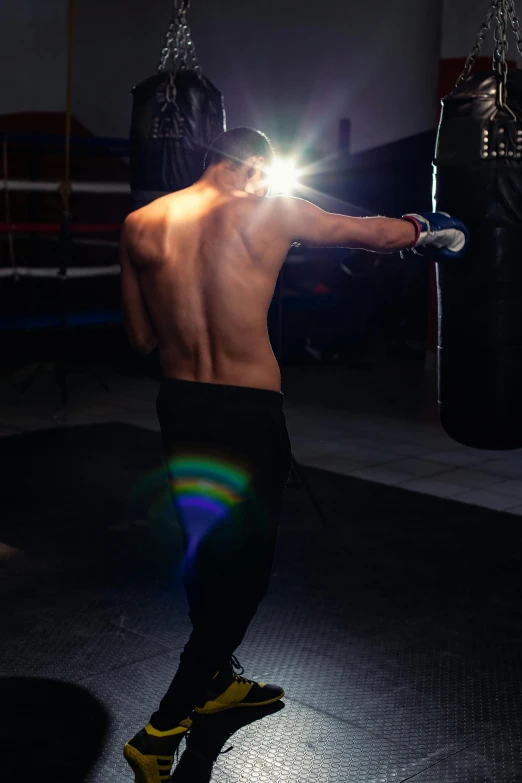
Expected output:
(207, 738)
(51, 730)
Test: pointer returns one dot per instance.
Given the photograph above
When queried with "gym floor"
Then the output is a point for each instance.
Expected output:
(381, 426)
(394, 627)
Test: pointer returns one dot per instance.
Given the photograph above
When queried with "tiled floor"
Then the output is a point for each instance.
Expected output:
(379, 427)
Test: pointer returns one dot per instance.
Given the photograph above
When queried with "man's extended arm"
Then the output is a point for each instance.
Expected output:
(303, 222)
(138, 327)
(434, 235)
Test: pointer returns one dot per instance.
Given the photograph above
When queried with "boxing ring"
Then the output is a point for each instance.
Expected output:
(53, 281)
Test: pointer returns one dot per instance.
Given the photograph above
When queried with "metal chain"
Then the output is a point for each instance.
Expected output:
(484, 30)
(500, 35)
(165, 52)
(183, 54)
(177, 52)
(515, 23)
(179, 48)
(501, 47)
(192, 52)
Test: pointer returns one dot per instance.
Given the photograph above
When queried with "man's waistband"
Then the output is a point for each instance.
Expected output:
(201, 392)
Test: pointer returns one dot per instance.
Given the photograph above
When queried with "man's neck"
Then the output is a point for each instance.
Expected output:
(222, 178)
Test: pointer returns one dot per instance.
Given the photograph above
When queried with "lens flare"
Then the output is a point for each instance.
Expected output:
(283, 177)
(207, 491)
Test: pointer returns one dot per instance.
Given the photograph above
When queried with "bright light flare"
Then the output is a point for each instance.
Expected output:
(282, 177)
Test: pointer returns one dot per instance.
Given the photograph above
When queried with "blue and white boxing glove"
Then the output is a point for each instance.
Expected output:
(438, 235)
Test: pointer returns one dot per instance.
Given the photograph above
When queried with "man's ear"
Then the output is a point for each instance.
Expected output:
(257, 164)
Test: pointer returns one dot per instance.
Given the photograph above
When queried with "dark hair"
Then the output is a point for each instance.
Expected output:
(237, 145)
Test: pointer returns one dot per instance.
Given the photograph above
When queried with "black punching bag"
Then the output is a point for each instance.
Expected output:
(478, 178)
(175, 117)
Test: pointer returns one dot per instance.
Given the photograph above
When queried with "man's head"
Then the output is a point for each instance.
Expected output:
(245, 152)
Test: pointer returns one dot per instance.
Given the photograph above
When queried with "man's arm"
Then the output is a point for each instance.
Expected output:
(138, 327)
(303, 222)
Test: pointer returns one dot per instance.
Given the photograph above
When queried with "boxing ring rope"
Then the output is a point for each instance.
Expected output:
(51, 231)
(54, 229)
(22, 185)
(51, 228)
(80, 271)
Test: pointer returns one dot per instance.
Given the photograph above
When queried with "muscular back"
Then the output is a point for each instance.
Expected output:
(207, 264)
(199, 269)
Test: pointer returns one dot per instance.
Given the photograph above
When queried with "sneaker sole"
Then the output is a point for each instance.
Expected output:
(212, 710)
(145, 771)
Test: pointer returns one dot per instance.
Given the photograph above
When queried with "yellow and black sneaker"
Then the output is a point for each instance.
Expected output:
(229, 690)
(150, 752)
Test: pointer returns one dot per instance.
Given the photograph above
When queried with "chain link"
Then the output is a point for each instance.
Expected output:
(515, 23)
(179, 47)
(500, 35)
(165, 52)
(504, 12)
(500, 65)
(484, 30)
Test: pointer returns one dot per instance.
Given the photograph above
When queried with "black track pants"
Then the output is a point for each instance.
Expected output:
(228, 455)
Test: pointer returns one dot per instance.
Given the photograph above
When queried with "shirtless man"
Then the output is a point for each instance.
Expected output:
(199, 268)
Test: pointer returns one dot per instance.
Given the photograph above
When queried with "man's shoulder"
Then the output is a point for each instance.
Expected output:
(254, 213)
(267, 205)
(152, 211)
(134, 218)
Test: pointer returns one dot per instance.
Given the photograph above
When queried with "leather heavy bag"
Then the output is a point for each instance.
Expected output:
(478, 178)
(174, 120)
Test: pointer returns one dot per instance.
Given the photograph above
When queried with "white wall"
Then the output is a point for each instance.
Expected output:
(288, 67)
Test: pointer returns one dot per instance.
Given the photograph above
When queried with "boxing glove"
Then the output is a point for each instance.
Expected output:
(439, 235)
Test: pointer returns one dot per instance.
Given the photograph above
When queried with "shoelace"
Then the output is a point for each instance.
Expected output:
(236, 665)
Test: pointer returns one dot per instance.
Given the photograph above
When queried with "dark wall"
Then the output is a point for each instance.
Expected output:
(391, 179)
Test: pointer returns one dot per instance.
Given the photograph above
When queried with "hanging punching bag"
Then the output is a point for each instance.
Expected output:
(478, 178)
(176, 115)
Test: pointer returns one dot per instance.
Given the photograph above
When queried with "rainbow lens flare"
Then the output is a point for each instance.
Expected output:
(204, 489)
(210, 474)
